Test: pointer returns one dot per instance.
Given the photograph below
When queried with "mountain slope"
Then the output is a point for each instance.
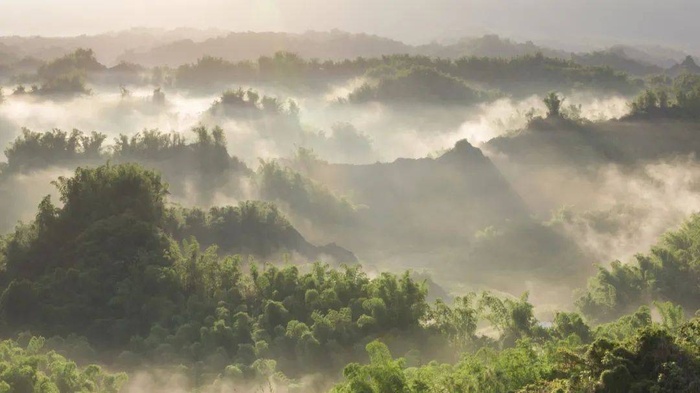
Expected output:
(422, 203)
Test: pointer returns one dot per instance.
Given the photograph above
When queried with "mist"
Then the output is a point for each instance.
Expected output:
(349, 197)
(416, 21)
(634, 209)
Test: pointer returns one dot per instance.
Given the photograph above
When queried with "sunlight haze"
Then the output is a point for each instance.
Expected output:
(349, 196)
(584, 23)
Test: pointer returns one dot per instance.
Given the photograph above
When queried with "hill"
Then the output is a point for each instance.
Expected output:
(687, 66)
(246, 46)
(618, 59)
(448, 198)
(107, 46)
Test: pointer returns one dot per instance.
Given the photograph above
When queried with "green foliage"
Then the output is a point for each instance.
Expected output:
(553, 103)
(68, 265)
(108, 268)
(304, 196)
(67, 74)
(72, 83)
(537, 73)
(520, 75)
(513, 318)
(251, 228)
(82, 60)
(626, 325)
(203, 162)
(150, 145)
(211, 71)
(670, 272)
(305, 321)
(618, 59)
(418, 85)
(33, 369)
(679, 101)
(672, 315)
(250, 104)
(566, 324)
(272, 118)
(149, 283)
(283, 66)
(457, 323)
(382, 375)
(613, 292)
(649, 359)
(104, 265)
(35, 150)
(485, 371)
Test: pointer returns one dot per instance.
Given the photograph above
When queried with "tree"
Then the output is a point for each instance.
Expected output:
(554, 104)
(35, 369)
(158, 97)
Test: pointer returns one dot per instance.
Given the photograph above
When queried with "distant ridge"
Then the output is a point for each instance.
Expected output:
(688, 66)
(157, 47)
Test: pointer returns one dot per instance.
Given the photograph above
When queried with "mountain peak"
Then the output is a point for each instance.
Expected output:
(689, 62)
(462, 149)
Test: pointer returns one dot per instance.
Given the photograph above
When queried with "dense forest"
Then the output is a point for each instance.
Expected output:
(334, 212)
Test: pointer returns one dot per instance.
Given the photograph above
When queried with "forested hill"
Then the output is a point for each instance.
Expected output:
(252, 228)
(447, 198)
(662, 123)
(246, 46)
(336, 45)
(619, 142)
(155, 48)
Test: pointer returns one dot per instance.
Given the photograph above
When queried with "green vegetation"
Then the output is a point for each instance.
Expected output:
(110, 269)
(67, 75)
(34, 369)
(651, 359)
(73, 83)
(304, 196)
(669, 272)
(250, 104)
(134, 263)
(617, 59)
(251, 228)
(210, 72)
(553, 103)
(680, 100)
(418, 85)
(150, 284)
(204, 161)
(35, 150)
(82, 60)
(284, 68)
(464, 80)
(521, 75)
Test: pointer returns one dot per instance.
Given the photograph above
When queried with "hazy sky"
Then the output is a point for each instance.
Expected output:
(577, 21)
